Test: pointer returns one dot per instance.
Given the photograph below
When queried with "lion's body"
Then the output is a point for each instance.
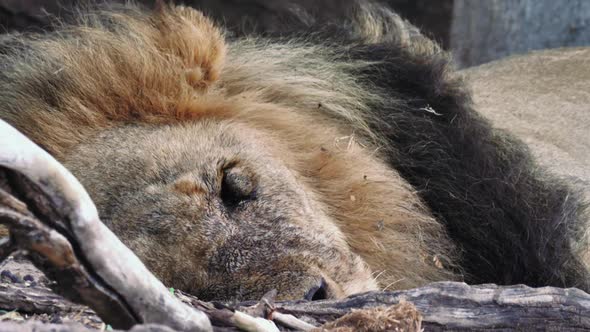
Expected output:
(234, 166)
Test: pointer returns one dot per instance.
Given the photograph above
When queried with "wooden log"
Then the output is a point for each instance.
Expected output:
(451, 306)
(444, 306)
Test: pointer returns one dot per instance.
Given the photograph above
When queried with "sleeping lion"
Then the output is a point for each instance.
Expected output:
(337, 156)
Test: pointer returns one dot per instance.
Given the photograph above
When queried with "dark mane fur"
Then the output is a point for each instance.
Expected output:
(514, 221)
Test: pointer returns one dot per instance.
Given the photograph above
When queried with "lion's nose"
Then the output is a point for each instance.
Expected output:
(318, 291)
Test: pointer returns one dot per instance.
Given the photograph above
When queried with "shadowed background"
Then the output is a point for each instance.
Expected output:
(475, 31)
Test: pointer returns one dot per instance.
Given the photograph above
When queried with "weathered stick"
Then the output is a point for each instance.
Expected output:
(445, 306)
(59, 225)
(36, 300)
(451, 306)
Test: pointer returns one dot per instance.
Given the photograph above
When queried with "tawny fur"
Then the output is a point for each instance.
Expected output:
(171, 67)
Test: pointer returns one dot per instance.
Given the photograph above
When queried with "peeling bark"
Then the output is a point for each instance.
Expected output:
(444, 306)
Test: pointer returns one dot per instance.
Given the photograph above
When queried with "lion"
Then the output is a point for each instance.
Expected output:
(336, 158)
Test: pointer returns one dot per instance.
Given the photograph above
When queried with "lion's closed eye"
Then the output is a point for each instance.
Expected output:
(238, 185)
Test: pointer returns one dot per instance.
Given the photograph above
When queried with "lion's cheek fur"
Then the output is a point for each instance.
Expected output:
(358, 218)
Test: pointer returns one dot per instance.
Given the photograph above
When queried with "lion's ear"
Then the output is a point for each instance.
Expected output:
(188, 34)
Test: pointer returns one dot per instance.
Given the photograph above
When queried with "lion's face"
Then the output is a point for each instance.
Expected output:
(211, 209)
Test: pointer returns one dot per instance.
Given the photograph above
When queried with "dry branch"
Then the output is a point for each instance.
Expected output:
(444, 306)
(36, 300)
(50, 214)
